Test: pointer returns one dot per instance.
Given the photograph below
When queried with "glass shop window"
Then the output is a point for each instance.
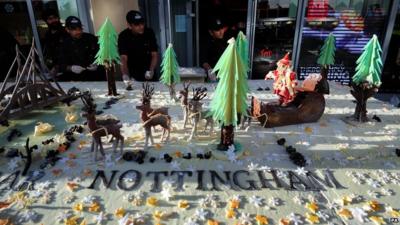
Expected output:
(274, 34)
(352, 22)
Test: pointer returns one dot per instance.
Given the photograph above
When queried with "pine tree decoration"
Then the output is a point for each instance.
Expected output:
(366, 81)
(229, 98)
(326, 58)
(242, 46)
(169, 71)
(108, 53)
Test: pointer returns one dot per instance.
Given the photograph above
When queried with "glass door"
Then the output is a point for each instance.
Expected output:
(274, 34)
(183, 22)
(391, 69)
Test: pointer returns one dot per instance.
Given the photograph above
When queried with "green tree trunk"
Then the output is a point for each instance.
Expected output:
(227, 137)
(112, 88)
(323, 85)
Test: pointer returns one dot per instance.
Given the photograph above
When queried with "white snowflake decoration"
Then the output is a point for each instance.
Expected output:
(256, 201)
(252, 166)
(201, 214)
(99, 218)
(359, 214)
(296, 220)
(301, 171)
(166, 194)
(245, 219)
(274, 201)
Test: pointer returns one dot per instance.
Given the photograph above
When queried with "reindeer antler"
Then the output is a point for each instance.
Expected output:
(89, 105)
(147, 92)
(199, 93)
(186, 85)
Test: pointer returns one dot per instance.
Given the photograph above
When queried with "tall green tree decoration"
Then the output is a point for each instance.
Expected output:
(242, 46)
(108, 53)
(169, 70)
(326, 58)
(229, 98)
(366, 81)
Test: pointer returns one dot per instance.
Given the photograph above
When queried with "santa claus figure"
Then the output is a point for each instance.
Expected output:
(284, 81)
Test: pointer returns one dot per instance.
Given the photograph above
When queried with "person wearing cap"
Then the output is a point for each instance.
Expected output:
(215, 47)
(78, 53)
(138, 49)
(284, 80)
(53, 38)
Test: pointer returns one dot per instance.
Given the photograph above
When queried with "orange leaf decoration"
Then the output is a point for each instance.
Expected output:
(87, 172)
(5, 222)
(4, 205)
(374, 205)
(212, 222)
(261, 220)
(234, 204)
(72, 186)
(284, 221)
(178, 154)
(312, 206)
(56, 172)
(308, 130)
(94, 207)
(72, 156)
(62, 148)
(151, 201)
(230, 213)
(157, 146)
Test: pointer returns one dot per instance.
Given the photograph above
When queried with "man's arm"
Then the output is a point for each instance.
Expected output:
(124, 64)
(154, 60)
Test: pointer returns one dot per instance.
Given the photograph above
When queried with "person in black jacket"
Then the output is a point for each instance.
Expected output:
(215, 47)
(78, 53)
(7, 52)
(53, 39)
(138, 49)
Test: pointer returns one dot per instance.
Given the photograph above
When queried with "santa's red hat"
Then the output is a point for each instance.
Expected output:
(285, 60)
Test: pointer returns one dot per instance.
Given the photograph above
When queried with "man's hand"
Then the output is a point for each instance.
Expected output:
(77, 69)
(269, 75)
(127, 81)
(92, 67)
(149, 74)
(211, 75)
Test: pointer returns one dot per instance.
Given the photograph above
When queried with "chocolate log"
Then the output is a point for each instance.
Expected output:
(307, 107)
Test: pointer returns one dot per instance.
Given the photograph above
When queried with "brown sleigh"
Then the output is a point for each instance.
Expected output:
(307, 107)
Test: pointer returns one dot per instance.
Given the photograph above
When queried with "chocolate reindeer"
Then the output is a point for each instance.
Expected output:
(153, 117)
(98, 131)
(147, 94)
(183, 96)
(196, 113)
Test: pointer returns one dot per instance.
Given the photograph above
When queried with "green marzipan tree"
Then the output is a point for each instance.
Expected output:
(229, 98)
(326, 58)
(169, 71)
(366, 81)
(242, 46)
(108, 54)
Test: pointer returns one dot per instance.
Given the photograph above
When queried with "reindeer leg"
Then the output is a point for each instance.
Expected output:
(212, 126)
(194, 129)
(92, 145)
(101, 147)
(122, 144)
(162, 136)
(94, 148)
(184, 117)
(147, 136)
(115, 145)
(151, 138)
